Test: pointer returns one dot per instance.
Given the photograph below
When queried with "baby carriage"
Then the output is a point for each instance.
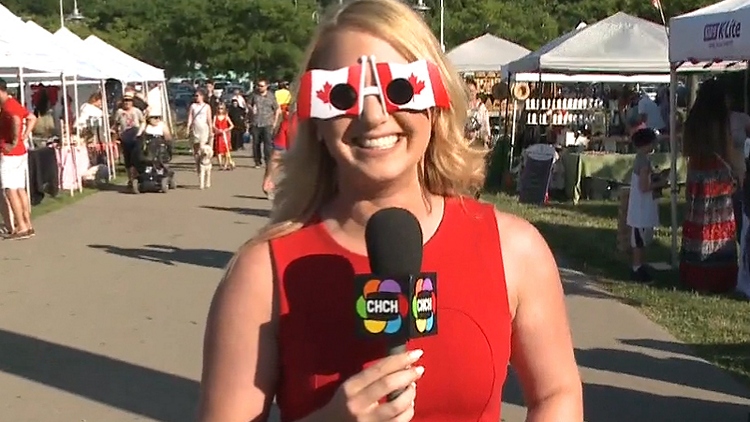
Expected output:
(151, 162)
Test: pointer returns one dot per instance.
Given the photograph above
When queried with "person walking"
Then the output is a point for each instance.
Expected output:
(200, 121)
(128, 120)
(266, 113)
(238, 115)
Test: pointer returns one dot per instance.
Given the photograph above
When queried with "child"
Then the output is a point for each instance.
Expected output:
(222, 128)
(643, 211)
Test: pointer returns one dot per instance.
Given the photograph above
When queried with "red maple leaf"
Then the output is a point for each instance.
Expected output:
(325, 93)
(416, 84)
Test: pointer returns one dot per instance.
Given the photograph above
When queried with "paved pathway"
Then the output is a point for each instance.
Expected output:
(102, 317)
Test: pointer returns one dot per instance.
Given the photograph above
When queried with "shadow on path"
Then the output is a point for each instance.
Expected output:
(605, 403)
(147, 392)
(251, 197)
(171, 255)
(241, 210)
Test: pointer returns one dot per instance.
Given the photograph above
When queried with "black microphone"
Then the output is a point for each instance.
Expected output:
(397, 301)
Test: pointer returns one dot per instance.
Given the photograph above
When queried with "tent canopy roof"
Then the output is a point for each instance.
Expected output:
(711, 33)
(485, 53)
(620, 43)
(148, 72)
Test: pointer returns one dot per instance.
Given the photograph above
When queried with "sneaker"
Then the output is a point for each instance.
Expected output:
(641, 275)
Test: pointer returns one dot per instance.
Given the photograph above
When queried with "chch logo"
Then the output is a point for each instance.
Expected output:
(382, 306)
(423, 305)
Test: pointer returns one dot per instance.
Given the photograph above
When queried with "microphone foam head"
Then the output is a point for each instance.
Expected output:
(394, 242)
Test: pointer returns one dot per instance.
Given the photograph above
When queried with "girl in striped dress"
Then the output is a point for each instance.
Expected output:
(708, 258)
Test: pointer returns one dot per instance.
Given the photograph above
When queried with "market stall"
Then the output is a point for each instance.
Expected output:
(578, 97)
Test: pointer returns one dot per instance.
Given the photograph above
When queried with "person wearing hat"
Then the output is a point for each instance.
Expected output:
(128, 120)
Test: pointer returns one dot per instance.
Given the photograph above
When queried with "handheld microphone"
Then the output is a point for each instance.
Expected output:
(397, 301)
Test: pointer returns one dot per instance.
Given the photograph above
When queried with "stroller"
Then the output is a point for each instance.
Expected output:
(151, 161)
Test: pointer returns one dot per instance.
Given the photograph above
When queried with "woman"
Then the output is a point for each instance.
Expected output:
(45, 127)
(478, 124)
(199, 124)
(273, 332)
(222, 128)
(709, 250)
(92, 108)
(155, 126)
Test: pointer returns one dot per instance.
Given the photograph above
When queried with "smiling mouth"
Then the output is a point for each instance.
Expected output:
(383, 142)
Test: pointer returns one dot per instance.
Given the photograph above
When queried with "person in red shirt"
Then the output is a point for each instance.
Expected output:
(14, 161)
(282, 142)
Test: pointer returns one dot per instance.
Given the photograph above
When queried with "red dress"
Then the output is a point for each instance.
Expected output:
(220, 146)
(465, 363)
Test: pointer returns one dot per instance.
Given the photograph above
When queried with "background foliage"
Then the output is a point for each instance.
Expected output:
(268, 36)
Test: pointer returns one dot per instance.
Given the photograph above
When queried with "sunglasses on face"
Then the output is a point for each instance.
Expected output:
(417, 86)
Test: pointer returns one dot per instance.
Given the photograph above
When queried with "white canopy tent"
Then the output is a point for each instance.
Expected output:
(620, 44)
(712, 34)
(110, 70)
(149, 73)
(485, 53)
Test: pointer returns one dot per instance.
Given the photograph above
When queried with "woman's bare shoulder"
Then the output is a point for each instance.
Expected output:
(239, 359)
(528, 262)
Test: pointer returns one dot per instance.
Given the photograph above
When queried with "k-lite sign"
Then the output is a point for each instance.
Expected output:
(722, 34)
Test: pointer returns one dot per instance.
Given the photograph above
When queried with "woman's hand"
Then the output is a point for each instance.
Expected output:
(357, 398)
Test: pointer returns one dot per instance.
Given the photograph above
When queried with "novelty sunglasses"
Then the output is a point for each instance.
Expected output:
(326, 94)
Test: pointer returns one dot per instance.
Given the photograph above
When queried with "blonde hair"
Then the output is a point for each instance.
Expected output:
(450, 166)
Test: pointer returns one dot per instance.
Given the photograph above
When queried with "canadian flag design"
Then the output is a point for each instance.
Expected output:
(425, 80)
(315, 92)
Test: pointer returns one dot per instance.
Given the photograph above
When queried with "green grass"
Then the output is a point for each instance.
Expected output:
(50, 204)
(584, 237)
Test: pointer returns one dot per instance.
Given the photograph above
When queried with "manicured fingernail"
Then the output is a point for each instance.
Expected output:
(415, 354)
(414, 385)
(419, 370)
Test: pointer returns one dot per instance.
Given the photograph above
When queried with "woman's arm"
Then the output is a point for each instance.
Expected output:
(190, 117)
(239, 356)
(541, 345)
(231, 125)
(167, 133)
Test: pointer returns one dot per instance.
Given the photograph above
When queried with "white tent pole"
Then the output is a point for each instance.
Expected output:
(673, 155)
(66, 129)
(166, 107)
(22, 100)
(512, 134)
(75, 106)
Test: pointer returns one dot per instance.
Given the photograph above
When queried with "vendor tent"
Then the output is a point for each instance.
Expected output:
(149, 73)
(43, 38)
(620, 44)
(110, 68)
(712, 33)
(485, 53)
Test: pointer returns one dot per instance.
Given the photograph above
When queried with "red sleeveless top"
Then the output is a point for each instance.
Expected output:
(465, 363)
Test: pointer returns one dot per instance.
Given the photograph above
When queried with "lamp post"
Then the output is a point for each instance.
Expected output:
(75, 16)
(423, 8)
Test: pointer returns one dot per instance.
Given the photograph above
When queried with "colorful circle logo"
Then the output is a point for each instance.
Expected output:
(423, 304)
(384, 320)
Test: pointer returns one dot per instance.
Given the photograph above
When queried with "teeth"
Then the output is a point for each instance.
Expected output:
(379, 143)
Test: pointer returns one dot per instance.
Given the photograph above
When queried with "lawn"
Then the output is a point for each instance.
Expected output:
(585, 237)
(63, 199)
